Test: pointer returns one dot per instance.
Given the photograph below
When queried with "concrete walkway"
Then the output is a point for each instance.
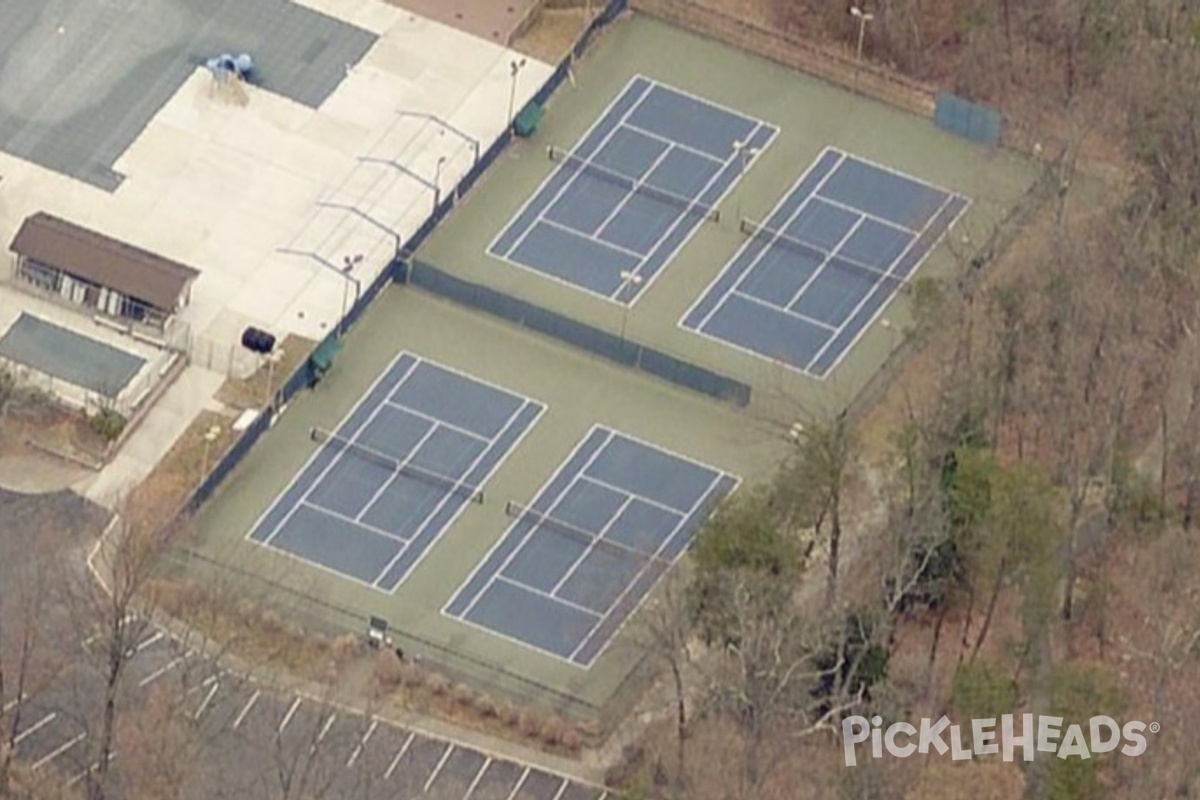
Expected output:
(163, 426)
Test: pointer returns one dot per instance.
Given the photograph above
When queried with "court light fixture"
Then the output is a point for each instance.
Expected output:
(863, 18)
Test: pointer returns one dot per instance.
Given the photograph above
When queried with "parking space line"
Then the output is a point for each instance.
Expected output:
(478, 777)
(208, 698)
(404, 749)
(321, 735)
(436, 770)
(55, 754)
(11, 704)
(155, 638)
(94, 766)
(288, 716)
(43, 722)
(361, 744)
(158, 673)
(246, 709)
(520, 783)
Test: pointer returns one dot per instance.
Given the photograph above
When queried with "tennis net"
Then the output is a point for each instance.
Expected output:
(472, 493)
(770, 236)
(582, 535)
(689, 205)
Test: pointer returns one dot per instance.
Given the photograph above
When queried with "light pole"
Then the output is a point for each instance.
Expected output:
(515, 66)
(744, 153)
(863, 18)
(627, 279)
(437, 182)
(348, 265)
(210, 436)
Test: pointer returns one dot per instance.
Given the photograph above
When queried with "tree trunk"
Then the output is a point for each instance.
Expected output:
(991, 609)
(680, 722)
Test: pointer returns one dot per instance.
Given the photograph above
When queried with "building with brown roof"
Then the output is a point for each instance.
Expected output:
(89, 269)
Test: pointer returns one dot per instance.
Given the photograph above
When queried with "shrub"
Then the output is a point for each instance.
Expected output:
(572, 739)
(437, 684)
(529, 724)
(463, 695)
(553, 730)
(510, 716)
(107, 423)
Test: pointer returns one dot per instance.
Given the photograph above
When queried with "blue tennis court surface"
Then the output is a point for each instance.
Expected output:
(580, 558)
(372, 522)
(632, 191)
(833, 252)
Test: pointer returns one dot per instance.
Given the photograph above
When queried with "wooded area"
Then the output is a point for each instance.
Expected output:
(1013, 529)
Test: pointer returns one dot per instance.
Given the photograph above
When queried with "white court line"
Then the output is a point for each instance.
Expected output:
(549, 512)
(11, 704)
(561, 790)
(366, 526)
(336, 458)
(58, 752)
(158, 673)
(617, 489)
(649, 134)
(736, 257)
(478, 777)
(391, 479)
(449, 495)
(321, 736)
(738, 176)
(625, 251)
(828, 260)
(712, 485)
(520, 784)
(37, 726)
(399, 755)
(916, 237)
(866, 214)
(358, 748)
(437, 770)
(246, 709)
(593, 128)
(769, 245)
(638, 183)
(543, 593)
(513, 448)
(288, 716)
(591, 545)
(208, 699)
(749, 298)
(422, 415)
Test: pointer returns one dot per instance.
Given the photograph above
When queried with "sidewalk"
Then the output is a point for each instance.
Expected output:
(163, 425)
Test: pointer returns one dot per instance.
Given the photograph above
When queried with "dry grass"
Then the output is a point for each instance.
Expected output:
(552, 33)
(189, 459)
(36, 424)
(252, 392)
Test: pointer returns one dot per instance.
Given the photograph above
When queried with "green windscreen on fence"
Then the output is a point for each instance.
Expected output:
(969, 120)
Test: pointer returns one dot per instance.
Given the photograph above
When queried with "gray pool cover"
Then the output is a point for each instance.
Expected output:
(66, 355)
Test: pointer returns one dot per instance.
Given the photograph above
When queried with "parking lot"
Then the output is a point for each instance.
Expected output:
(256, 742)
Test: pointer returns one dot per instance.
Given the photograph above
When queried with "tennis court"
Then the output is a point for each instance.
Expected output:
(396, 473)
(579, 559)
(632, 191)
(811, 278)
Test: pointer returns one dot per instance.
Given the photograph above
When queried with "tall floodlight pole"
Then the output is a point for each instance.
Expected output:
(515, 66)
(863, 18)
(348, 265)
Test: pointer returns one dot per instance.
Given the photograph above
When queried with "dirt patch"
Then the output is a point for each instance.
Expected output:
(35, 425)
(255, 390)
(552, 32)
